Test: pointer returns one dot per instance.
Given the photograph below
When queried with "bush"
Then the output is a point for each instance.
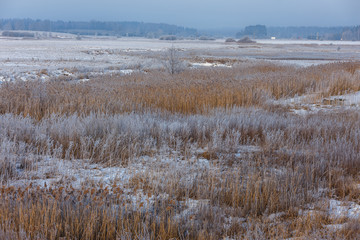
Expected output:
(173, 64)
(229, 40)
(246, 40)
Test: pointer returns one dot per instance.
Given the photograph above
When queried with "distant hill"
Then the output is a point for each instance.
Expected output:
(131, 29)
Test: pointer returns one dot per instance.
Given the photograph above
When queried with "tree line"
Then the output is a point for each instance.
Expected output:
(316, 33)
(131, 29)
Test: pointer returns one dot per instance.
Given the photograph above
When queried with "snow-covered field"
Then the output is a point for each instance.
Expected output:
(298, 42)
(31, 59)
(248, 142)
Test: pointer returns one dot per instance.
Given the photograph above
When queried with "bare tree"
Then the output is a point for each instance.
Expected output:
(172, 62)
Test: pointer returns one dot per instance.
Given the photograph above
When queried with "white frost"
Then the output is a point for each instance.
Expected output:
(339, 209)
(207, 64)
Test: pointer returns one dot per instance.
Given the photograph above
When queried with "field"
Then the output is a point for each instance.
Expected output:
(99, 140)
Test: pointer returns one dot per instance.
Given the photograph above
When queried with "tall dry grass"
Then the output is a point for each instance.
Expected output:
(189, 92)
(222, 191)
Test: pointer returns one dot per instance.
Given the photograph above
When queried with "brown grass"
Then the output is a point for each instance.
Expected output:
(117, 120)
(189, 92)
(63, 213)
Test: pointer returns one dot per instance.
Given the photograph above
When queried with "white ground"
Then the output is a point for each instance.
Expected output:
(44, 59)
(68, 57)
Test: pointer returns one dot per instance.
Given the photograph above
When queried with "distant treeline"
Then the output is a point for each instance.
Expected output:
(18, 34)
(257, 31)
(318, 33)
(131, 29)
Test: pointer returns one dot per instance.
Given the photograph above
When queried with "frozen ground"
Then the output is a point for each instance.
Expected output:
(313, 103)
(78, 59)
(316, 42)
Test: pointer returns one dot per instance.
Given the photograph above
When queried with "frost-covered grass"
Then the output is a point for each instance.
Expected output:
(245, 164)
(203, 154)
(194, 91)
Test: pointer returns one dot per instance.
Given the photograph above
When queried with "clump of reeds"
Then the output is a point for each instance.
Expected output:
(189, 92)
(222, 191)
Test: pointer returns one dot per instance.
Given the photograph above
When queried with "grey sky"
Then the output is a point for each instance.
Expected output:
(192, 13)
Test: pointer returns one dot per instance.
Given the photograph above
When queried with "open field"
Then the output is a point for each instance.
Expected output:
(24, 59)
(247, 141)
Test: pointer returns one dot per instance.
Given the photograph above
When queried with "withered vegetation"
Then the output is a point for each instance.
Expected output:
(223, 160)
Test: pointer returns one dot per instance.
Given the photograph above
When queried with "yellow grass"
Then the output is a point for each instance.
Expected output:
(115, 119)
(192, 91)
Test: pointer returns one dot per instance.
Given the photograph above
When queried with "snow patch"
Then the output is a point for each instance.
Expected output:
(339, 209)
(207, 64)
(192, 207)
(126, 71)
(352, 99)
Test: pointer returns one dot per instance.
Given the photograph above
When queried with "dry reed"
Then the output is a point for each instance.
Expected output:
(223, 191)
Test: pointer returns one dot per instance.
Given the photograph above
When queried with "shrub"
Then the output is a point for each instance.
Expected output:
(246, 40)
(230, 40)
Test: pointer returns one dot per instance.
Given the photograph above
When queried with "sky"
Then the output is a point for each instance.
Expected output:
(200, 14)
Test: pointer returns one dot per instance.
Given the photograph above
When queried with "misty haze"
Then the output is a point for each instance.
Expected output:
(179, 119)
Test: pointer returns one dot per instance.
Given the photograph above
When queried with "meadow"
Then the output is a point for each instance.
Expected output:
(257, 150)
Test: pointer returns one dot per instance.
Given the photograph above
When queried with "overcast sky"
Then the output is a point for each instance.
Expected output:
(201, 14)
